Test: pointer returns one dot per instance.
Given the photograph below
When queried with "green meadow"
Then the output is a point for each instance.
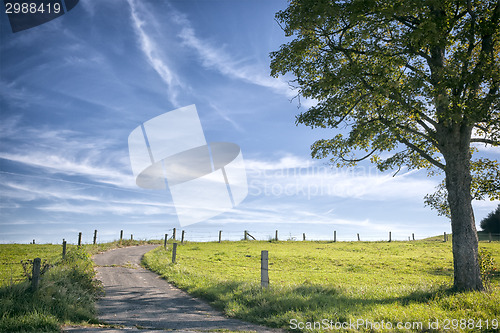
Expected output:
(314, 286)
(343, 286)
(67, 291)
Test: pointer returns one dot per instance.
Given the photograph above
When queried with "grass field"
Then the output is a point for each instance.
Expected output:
(317, 286)
(67, 291)
(11, 270)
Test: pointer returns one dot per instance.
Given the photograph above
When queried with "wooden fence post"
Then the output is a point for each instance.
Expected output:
(444, 237)
(182, 237)
(264, 271)
(131, 237)
(33, 241)
(335, 236)
(173, 234)
(358, 238)
(276, 236)
(64, 250)
(413, 236)
(390, 238)
(174, 253)
(245, 237)
(95, 237)
(79, 239)
(165, 242)
(36, 273)
(121, 236)
(220, 236)
(304, 236)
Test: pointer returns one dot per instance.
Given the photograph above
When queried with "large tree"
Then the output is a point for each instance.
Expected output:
(410, 83)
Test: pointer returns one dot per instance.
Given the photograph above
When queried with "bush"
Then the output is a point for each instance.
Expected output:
(487, 266)
(491, 223)
(66, 293)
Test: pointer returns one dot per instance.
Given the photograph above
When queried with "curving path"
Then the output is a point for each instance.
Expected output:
(140, 300)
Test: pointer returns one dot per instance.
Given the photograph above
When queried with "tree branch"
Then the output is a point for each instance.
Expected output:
(360, 159)
(487, 141)
(422, 153)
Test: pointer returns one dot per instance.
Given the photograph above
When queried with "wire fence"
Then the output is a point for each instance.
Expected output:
(12, 272)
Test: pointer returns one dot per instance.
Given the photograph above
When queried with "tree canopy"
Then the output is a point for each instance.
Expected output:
(491, 223)
(410, 83)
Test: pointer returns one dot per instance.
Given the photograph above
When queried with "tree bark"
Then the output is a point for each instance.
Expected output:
(467, 274)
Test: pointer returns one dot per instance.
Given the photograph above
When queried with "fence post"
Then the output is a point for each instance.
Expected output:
(335, 236)
(131, 237)
(220, 236)
(64, 250)
(165, 242)
(245, 237)
(264, 271)
(79, 239)
(121, 236)
(304, 236)
(276, 236)
(182, 237)
(174, 253)
(390, 238)
(173, 234)
(95, 237)
(489, 236)
(33, 241)
(358, 238)
(413, 236)
(444, 237)
(36, 273)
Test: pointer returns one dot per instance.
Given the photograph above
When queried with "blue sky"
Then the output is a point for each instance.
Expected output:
(73, 89)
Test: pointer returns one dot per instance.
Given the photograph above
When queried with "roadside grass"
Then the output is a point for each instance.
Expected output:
(377, 282)
(11, 255)
(67, 291)
(66, 294)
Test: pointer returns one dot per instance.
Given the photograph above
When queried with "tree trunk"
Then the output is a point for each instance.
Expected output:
(467, 274)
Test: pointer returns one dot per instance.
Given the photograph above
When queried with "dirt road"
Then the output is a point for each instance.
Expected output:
(139, 299)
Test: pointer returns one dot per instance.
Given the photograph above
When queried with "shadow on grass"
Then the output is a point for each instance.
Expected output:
(274, 307)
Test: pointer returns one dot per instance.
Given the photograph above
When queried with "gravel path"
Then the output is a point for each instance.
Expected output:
(141, 301)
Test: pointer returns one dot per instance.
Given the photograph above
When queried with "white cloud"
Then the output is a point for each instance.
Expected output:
(294, 176)
(214, 57)
(71, 166)
(105, 208)
(152, 52)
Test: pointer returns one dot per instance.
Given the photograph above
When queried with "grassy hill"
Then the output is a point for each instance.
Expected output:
(318, 286)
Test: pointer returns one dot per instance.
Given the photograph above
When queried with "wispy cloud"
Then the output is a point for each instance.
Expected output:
(74, 197)
(70, 166)
(67, 152)
(292, 176)
(153, 53)
(214, 57)
(226, 117)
